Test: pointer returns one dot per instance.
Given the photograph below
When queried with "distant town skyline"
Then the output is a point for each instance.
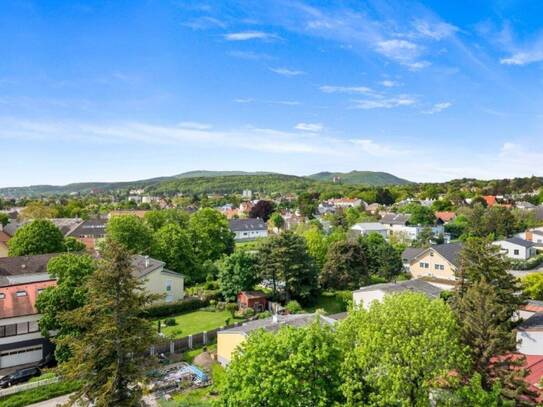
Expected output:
(119, 91)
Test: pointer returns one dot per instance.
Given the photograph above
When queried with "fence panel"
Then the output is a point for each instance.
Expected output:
(27, 386)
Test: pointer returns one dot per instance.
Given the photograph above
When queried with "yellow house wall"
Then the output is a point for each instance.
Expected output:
(3, 250)
(155, 283)
(417, 271)
(227, 344)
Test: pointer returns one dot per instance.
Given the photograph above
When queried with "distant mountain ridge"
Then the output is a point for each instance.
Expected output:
(251, 180)
(360, 177)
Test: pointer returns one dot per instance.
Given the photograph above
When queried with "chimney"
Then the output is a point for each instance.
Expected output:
(146, 261)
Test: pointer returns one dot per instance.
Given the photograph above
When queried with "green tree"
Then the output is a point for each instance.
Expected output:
(395, 351)
(237, 272)
(473, 394)
(71, 244)
(285, 258)
(345, 266)
(158, 218)
(4, 219)
(480, 259)
(211, 237)
(316, 245)
(382, 258)
(291, 367)
(485, 330)
(276, 220)
(131, 232)
(71, 272)
(533, 286)
(37, 237)
(172, 245)
(109, 356)
(420, 215)
(308, 203)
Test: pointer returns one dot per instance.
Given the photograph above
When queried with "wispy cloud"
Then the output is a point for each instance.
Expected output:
(523, 58)
(435, 30)
(287, 72)
(204, 23)
(402, 51)
(387, 83)
(250, 55)
(384, 103)
(250, 35)
(195, 125)
(311, 127)
(346, 89)
(375, 149)
(438, 107)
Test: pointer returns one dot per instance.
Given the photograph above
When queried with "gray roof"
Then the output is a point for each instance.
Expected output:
(91, 227)
(416, 285)
(450, 251)
(244, 225)
(411, 252)
(520, 242)
(293, 320)
(395, 218)
(144, 265)
(538, 213)
(21, 267)
(534, 323)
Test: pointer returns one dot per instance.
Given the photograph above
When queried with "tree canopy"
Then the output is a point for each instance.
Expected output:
(237, 272)
(345, 267)
(131, 232)
(211, 237)
(37, 237)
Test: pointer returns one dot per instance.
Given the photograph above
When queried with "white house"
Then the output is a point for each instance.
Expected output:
(248, 229)
(530, 335)
(365, 228)
(398, 225)
(366, 295)
(516, 248)
(533, 235)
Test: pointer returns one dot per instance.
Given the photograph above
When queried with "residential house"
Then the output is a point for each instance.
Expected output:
(365, 228)
(228, 340)
(22, 278)
(90, 232)
(524, 205)
(138, 213)
(248, 229)
(292, 219)
(256, 300)
(366, 295)
(373, 208)
(245, 207)
(530, 335)
(438, 262)
(516, 248)
(345, 203)
(398, 226)
(408, 255)
(445, 216)
(325, 207)
(157, 279)
(533, 235)
(490, 200)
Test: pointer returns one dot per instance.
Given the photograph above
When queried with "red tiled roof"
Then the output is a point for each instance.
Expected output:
(13, 305)
(445, 216)
(490, 200)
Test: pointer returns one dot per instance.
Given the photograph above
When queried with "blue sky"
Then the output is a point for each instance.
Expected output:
(121, 90)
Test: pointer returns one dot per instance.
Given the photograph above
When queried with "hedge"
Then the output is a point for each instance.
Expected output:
(529, 264)
(173, 308)
(38, 394)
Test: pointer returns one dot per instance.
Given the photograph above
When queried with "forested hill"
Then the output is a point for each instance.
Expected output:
(361, 177)
(210, 181)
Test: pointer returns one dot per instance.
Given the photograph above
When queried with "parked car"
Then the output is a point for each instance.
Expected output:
(19, 376)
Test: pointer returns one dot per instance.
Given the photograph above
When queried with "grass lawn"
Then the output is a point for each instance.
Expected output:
(330, 302)
(195, 322)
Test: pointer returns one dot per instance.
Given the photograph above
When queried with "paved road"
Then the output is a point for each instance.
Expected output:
(522, 273)
(57, 401)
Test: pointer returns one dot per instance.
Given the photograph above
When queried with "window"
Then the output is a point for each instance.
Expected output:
(2, 296)
(439, 267)
(39, 290)
(168, 285)
(424, 265)
(516, 252)
(20, 293)
(22, 328)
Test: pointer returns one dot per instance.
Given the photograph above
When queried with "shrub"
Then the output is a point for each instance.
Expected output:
(221, 305)
(248, 313)
(265, 314)
(232, 307)
(527, 264)
(294, 307)
(170, 322)
(174, 308)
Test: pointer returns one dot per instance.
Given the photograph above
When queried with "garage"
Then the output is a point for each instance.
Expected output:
(21, 356)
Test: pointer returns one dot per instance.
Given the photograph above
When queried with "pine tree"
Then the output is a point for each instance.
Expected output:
(491, 341)
(108, 357)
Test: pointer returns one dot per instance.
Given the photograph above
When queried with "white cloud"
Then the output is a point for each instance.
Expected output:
(250, 55)
(523, 58)
(311, 127)
(375, 149)
(244, 100)
(250, 35)
(195, 125)
(346, 89)
(387, 83)
(287, 72)
(436, 31)
(384, 103)
(438, 107)
(204, 23)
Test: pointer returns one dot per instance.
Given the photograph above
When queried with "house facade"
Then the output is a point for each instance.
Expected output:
(438, 262)
(90, 232)
(530, 335)
(365, 228)
(159, 280)
(248, 229)
(516, 248)
(256, 300)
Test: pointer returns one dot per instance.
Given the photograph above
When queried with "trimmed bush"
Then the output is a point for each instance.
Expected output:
(527, 264)
(248, 313)
(175, 308)
(294, 307)
(170, 322)
(38, 394)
